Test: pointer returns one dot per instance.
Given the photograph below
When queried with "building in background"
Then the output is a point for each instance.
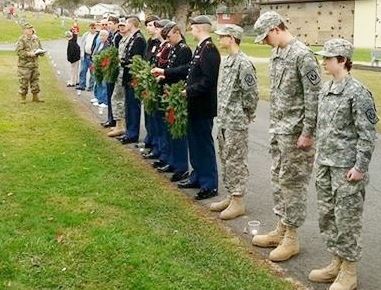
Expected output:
(315, 21)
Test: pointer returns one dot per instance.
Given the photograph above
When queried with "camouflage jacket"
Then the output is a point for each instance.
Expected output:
(24, 46)
(346, 125)
(295, 84)
(237, 92)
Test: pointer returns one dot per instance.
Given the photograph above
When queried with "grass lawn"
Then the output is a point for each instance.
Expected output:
(79, 211)
(47, 26)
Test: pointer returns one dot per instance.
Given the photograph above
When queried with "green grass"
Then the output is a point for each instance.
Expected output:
(79, 211)
(47, 26)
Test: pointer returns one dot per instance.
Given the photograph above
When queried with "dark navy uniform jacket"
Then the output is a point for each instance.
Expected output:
(180, 55)
(153, 46)
(202, 77)
(114, 38)
(136, 45)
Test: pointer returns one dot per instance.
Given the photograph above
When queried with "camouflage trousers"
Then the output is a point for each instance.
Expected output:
(233, 151)
(340, 205)
(28, 76)
(118, 99)
(290, 175)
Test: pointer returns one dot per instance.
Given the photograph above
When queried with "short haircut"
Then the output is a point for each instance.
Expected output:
(134, 21)
(113, 19)
(92, 24)
(205, 27)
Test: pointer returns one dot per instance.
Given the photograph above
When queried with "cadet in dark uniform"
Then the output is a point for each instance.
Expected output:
(153, 44)
(114, 38)
(135, 46)
(160, 150)
(179, 55)
(201, 90)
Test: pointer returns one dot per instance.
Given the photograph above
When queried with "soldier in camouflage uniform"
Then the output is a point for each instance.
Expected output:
(27, 71)
(346, 131)
(117, 97)
(295, 84)
(237, 101)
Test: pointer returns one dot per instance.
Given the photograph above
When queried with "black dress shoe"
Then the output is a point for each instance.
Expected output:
(166, 168)
(80, 88)
(108, 124)
(150, 156)
(128, 140)
(158, 163)
(143, 145)
(188, 184)
(121, 137)
(179, 176)
(206, 193)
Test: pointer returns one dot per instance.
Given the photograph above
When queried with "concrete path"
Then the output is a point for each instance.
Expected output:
(260, 203)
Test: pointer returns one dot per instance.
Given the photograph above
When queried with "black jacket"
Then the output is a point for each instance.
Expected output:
(202, 78)
(136, 45)
(73, 50)
(180, 55)
(151, 50)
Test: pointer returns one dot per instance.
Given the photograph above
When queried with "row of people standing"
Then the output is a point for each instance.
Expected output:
(173, 62)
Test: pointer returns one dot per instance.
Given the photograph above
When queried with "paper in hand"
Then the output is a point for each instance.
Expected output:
(39, 51)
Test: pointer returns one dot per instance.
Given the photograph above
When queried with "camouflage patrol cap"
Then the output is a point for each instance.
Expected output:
(336, 47)
(231, 30)
(201, 19)
(27, 25)
(265, 23)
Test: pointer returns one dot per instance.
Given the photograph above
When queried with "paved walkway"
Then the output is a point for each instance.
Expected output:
(259, 200)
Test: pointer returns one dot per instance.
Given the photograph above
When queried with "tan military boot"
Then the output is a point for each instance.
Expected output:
(347, 277)
(288, 247)
(117, 130)
(220, 205)
(235, 209)
(36, 99)
(328, 273)
(23, 99)
(271, 239)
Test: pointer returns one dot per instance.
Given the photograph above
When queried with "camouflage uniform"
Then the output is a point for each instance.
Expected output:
(345, 139)
(117, 98)
(28, 65)
(237, 102)
(295, 83)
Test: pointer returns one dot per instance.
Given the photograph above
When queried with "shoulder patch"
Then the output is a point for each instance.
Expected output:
(371, 115)
(249, 79)
(313, 77)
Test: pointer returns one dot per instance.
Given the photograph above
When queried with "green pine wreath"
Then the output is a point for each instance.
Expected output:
(144, 84)
(176, 113)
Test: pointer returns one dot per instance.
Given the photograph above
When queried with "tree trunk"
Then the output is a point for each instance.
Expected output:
(181, 14)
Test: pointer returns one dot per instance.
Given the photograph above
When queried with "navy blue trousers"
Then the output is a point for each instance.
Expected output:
(202, 154)
(133, 111)
(178, 157)
(110, 89)
(148, 119)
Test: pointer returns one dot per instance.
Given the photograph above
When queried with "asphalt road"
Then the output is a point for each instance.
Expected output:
(259, 199)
